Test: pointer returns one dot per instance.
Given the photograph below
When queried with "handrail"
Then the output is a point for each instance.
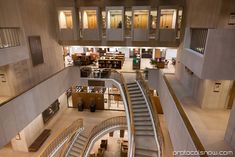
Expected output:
(185, 119)
(132, 146)
(56, 142)
(47, 78)
(119, 78)
(153, 110)
(111, 122)
(72, 143)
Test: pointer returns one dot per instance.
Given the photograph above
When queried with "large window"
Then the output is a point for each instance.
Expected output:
(115, 19)
(65, 19)
(141, 19)
(89, 19)
(168, 19)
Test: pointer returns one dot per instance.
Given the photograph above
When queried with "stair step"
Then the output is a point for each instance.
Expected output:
(130, 83)
(138, 106)
(77, 150)
(144, 133)
(146, 152)
(80, 142)
(133, 89)
(138, 103)
(145, 114)
(137, 99)
(144, 128)
(70, 155)
(143, 123)
(74, 153)
(82, 138)
(78, 145)
(136, 95)
(138, 119)
(145, 109)
(135, 92)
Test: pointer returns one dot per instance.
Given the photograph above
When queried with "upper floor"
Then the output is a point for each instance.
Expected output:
(125, 23)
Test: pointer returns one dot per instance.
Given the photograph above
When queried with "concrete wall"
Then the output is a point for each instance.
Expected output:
(176, 126)
(34, 18)
(230, 132)
(219, 55)
(12, 114)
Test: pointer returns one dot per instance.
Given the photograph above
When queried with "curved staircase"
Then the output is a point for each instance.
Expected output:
(145, 144)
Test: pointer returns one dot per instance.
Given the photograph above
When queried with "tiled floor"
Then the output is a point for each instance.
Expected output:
(210, 125)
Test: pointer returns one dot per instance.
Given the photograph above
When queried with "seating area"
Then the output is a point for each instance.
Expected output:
(85, 71)
(101, 150)
(124, 148)
(35, 146)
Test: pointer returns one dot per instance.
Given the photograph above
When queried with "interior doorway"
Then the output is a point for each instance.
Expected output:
(231, 96)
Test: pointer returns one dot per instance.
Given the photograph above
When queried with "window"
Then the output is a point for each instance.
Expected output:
(115, 19)
(141, 19)
(128, 22)
(65, 19)
(153, 24)
(168, 19)
(9, 37)
(198, 39)
(89, 19)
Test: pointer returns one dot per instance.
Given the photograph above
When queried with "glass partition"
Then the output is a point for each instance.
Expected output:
(153, 24)
(65, 19)
(141, 19)
(89, 19)
(168, 18)
(114, 19)
(128, 22)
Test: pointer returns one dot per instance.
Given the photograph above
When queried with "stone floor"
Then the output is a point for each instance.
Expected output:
(62, 119)
(210, 125)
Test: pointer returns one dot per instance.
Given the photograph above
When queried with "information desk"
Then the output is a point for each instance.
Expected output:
(87, 97)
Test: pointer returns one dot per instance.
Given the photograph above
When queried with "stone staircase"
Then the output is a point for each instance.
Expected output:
(145, 144)
(78, 146)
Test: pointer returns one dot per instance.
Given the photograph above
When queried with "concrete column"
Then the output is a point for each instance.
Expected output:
(230, 132)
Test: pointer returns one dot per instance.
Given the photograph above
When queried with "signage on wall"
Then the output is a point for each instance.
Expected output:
(3, 78)
(231, 20)
(217, 87)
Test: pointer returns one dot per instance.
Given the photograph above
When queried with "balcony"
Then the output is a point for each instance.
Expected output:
(209, 53)
(12, 47)
(120, 26)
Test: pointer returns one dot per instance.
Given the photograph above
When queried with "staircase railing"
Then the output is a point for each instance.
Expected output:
(132, 142)
(153, 111)
(102, 127)
(120, 81)
(61, 138)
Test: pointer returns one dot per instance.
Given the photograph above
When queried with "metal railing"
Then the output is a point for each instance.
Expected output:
(119, 121)
(60, 139)
(153, 112)
(198, 39)
(9, 37)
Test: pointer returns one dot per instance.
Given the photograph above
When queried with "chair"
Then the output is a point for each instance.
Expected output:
(104, 144)
(105, 73)
(85, 72)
